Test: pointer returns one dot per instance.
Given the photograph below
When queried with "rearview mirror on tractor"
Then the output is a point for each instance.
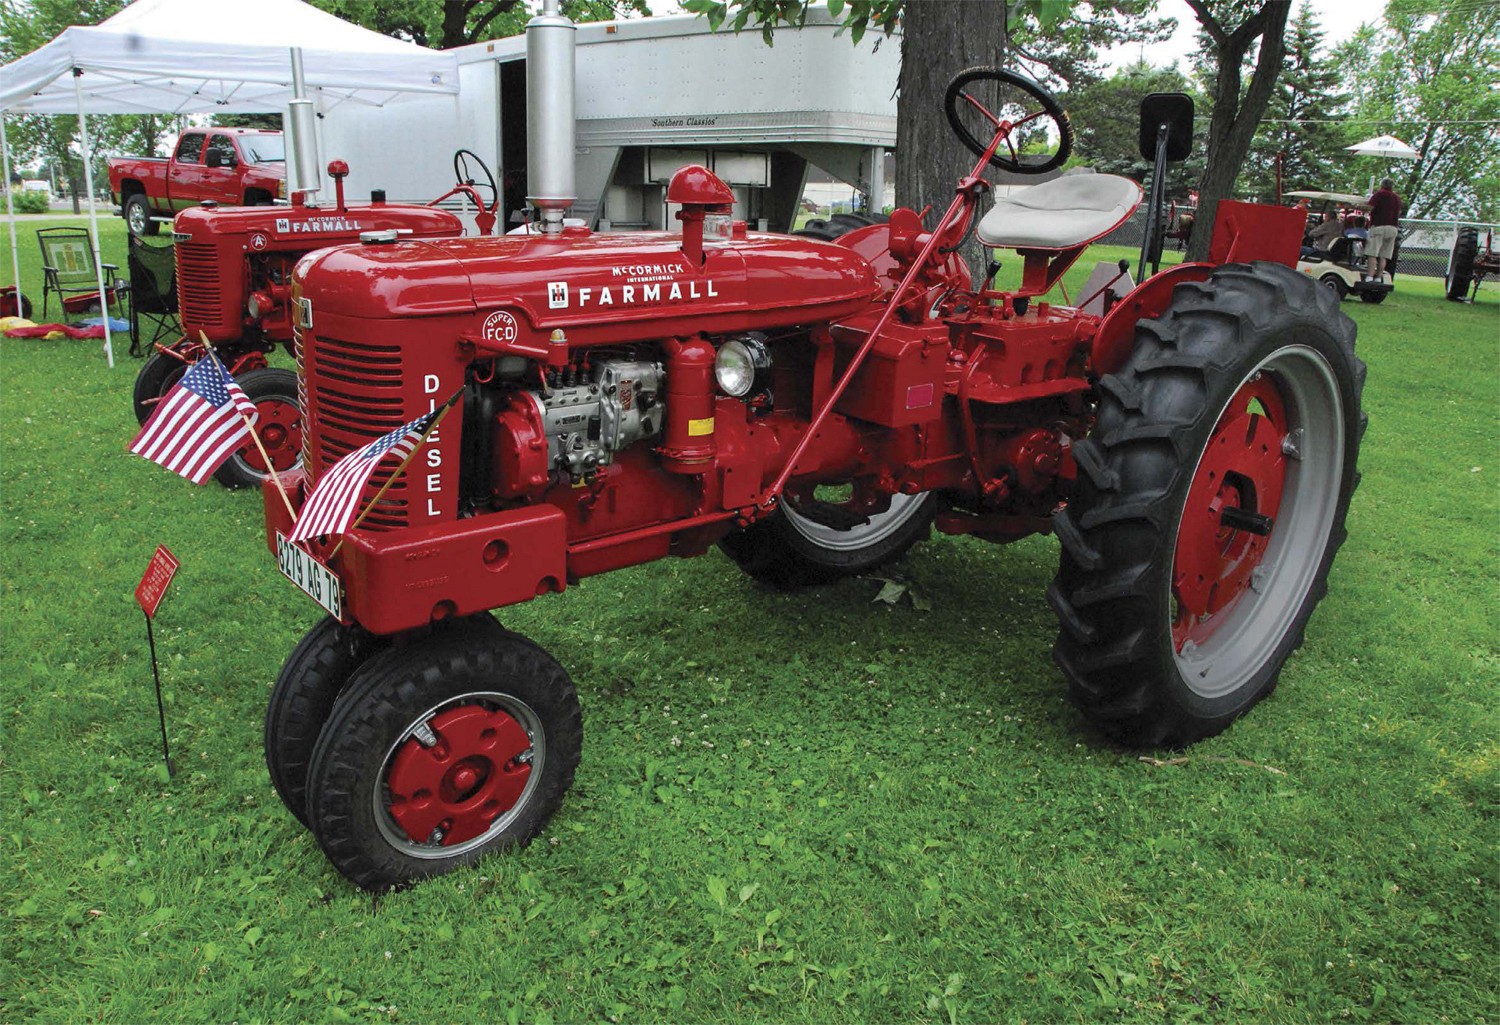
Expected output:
(1175, 110)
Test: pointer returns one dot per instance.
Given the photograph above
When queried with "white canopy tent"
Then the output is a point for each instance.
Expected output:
(209, 56)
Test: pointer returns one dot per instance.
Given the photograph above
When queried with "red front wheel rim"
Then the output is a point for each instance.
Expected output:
(459, 774)
(279, 424)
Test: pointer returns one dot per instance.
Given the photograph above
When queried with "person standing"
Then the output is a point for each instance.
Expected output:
(1385, 215)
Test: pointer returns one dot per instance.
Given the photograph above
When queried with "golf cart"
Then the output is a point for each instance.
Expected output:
(1341, 267)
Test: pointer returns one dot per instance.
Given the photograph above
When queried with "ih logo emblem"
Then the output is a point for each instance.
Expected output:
(557, 295)
(283, 224)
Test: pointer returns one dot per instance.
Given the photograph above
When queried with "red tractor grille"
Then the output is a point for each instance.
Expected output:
(198, 285)
(351, 394)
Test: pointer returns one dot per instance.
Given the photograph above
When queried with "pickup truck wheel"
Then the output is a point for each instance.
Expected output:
(799, 547)
(310, 681)
(279, 424)
(160, 372)
(138, 216)
(1209, 505)
(441, 751)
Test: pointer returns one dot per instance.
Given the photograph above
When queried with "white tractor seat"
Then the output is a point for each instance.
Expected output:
(1061, 213)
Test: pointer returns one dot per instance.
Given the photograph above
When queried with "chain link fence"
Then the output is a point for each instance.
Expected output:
(1425, 244)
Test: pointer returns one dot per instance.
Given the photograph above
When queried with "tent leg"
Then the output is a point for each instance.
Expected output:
(88, 184)
(10, 217)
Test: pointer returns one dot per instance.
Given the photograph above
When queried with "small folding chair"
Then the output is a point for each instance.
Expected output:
(152, 269)
(68, 269)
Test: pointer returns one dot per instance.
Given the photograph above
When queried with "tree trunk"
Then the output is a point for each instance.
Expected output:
(939, 39)
(1232, 128)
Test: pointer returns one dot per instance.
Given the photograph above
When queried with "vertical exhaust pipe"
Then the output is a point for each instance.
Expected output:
(551, 115)
(302, 123)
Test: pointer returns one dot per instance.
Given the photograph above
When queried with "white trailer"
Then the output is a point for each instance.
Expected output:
(652, 94)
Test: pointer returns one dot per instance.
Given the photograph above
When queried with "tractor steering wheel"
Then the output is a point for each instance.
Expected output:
(982, 102)
(463, 174)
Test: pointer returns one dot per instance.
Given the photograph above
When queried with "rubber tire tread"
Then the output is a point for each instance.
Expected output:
(310, 681)
(157, 376)
(258, 384)
(1465, 255)
(1114, 645)
(379, 704)
(775, 553)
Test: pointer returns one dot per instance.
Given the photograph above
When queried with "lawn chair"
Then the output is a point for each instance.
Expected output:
(68, 266)
(152, 269)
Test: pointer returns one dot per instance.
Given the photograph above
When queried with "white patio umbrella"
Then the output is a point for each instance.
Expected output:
(1387, 146)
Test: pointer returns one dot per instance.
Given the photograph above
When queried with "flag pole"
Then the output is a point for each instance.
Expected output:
(270, 466)
(452, 401)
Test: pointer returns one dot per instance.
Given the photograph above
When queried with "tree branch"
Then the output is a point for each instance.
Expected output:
(1209, 22)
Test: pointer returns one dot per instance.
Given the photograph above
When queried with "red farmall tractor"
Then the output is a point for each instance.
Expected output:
(814, 409)
(234, 282)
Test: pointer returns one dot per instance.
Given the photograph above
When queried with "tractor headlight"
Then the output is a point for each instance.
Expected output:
(258, 305)
(743, 367)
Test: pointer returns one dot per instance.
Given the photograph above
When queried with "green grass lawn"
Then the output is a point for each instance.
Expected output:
(802, 807)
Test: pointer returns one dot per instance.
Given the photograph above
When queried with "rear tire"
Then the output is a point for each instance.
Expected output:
(1176, 621)
(1461, 260)
(1373, 297)
(442, 751)
(790, 550)
(279, 425)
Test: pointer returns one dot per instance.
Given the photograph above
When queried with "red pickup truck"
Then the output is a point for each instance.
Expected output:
(231, 166)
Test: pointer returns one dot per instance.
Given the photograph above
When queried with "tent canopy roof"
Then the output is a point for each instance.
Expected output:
(218, 56)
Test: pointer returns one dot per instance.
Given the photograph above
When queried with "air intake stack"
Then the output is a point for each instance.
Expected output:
(551, 38)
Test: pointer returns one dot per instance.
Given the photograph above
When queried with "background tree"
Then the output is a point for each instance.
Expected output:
(1054, 39)
(1427, 74)
(1107, 133)
(1231, 30)
(459, 22)
(1303, 119)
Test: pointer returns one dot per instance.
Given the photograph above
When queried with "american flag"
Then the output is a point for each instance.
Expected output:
(336, 497)
(200, 423)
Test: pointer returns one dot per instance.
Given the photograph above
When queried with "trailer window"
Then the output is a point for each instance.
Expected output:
(264, 149)
(190, 149)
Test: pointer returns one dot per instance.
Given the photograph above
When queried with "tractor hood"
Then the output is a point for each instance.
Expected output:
(283, 228)
(594, 287)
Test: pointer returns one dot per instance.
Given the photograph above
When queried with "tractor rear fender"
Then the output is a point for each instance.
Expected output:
(1116, 334)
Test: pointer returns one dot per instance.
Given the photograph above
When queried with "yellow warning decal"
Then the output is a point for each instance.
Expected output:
(698, 428)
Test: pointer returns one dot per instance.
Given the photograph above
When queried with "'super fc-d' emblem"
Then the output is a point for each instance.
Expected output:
(500, 327)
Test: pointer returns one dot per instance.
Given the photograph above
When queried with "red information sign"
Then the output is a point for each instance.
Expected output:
(157, 578)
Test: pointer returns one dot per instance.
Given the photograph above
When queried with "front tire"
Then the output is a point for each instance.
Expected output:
(278, 423)
(158, 375)
(439, 752)
(1210, 503)
(1335, 284)
(791, 549)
